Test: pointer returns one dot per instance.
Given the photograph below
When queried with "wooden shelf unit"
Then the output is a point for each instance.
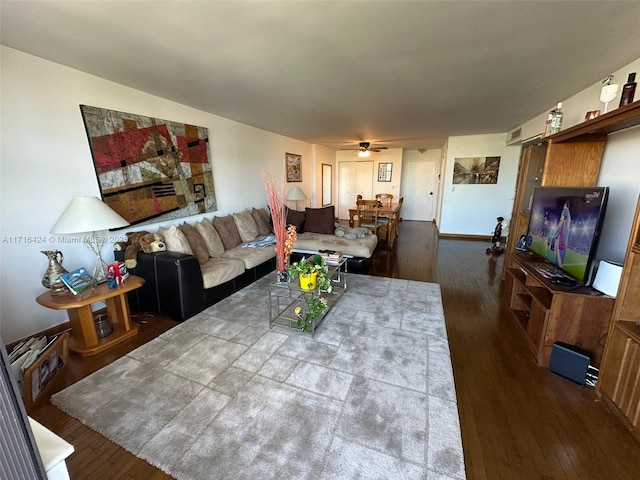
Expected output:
(550, 313)
(619, 380)
(572, 157)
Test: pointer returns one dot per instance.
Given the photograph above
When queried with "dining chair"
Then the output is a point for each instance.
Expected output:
(385, 198)
(397, 218)
(368, 215)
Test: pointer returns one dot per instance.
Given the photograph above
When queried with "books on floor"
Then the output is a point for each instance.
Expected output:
(26, 353)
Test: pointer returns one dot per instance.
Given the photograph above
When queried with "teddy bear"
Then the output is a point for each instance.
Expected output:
(143, 240)
(152, 242)
(351, 233)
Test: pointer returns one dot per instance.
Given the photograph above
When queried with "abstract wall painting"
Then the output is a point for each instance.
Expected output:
(150, 170)
(476, 170)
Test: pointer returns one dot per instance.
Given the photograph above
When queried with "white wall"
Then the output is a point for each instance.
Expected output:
(472, 209)
(620, 170)
(45, 162)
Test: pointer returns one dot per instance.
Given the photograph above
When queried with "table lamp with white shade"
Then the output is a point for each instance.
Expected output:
(296, 194)
(90, 215)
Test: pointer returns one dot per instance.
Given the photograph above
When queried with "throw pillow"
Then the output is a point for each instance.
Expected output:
(198, 247)
(175, 240)
(320, 220)
(262, 218)
(295, 218)
(247, 226)
(228, 231)
(211, 238)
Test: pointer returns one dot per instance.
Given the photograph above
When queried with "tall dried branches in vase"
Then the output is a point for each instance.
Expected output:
(285, 237)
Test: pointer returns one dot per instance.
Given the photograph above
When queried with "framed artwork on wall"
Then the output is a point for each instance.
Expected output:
(149, 169)
(476, 170)
(294, 167)
(384, 172)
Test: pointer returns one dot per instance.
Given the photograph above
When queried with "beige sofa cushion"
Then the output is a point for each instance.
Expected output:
(219, 270)
(175, 240)
(211, 238)
(247, 227)
(360, 247)
(252, 257)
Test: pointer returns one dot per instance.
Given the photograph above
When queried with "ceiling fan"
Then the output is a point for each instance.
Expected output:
(365, 149)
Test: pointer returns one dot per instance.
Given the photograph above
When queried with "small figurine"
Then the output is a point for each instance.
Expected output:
(495, 239)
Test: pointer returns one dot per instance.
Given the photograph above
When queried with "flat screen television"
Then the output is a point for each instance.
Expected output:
(564, 227)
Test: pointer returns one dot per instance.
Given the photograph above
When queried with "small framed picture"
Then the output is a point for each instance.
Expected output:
(384, 172)
(294, 167)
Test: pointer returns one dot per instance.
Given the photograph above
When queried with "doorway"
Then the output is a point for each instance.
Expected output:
(420, 188)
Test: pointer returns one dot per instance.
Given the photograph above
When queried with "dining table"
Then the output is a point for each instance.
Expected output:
(384, 210)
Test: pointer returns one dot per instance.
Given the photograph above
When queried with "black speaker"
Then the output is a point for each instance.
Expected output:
(569, 362)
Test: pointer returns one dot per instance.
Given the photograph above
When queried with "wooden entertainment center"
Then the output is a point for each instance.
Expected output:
(619, 382)
(549, 313)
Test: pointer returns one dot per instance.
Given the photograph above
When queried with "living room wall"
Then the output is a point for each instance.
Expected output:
(472, 209)
(46, 162)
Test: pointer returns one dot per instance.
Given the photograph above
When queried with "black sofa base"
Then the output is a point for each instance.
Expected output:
(173, 284)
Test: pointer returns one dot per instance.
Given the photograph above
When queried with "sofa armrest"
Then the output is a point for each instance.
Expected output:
(179, 284)
(173, 284)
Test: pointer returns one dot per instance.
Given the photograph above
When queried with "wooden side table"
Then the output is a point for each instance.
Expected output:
(84, 338)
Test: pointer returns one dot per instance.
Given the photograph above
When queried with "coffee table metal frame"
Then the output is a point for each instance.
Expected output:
(284, 298)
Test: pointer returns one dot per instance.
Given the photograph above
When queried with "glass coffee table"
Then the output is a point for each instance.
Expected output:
(288, 302)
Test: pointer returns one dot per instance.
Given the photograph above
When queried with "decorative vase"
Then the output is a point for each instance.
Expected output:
(282, 277)
(308, 281)
(51, 278)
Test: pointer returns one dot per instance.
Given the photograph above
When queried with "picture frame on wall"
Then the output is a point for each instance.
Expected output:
(384, 172)
(294, 167)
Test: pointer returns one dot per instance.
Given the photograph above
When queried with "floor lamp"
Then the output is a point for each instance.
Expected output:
(90, 215)
(296, 194)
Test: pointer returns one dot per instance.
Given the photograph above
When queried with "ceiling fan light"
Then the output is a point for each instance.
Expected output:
(364, 153)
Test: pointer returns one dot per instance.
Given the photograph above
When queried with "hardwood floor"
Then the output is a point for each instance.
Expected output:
(518, 420)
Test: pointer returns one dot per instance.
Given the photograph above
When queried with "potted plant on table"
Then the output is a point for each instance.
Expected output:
(312, 274)
(312, 271)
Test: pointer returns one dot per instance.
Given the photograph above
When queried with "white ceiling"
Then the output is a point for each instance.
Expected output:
(402, 74)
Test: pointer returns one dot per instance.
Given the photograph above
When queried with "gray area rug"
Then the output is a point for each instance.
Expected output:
(221, 396)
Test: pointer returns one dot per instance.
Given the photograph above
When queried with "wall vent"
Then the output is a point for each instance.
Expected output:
(514, 137)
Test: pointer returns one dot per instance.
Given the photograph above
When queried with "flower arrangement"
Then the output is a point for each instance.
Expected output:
(291, 238)
(313, 264)
(285, 237)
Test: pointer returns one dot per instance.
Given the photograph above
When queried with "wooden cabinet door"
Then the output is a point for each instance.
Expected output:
(620, 380)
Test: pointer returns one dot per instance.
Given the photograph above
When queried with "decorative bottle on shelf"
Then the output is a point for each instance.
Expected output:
(547, 126)
(556, 122)
(628, 90)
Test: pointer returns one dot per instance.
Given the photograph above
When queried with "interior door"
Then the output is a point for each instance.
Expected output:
(420, 191)
(354, 178)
